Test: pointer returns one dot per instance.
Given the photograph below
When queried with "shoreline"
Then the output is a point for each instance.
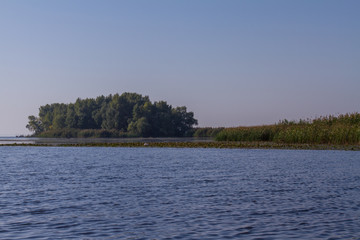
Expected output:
(186, 144)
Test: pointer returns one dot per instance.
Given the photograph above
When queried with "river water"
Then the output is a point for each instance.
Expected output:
(164, 193)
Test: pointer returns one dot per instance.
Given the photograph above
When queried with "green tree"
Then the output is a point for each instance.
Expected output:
(128, 112)
(35, 124)
(71, 117)
(183, 121)
(59, 122)
(141, 127)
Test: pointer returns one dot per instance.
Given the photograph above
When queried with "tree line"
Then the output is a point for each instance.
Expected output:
(128, 114)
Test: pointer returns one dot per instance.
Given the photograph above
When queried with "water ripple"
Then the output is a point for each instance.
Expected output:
(123, 193)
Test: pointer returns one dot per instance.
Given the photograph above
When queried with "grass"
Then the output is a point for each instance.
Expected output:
(207, 132)
(341, 130)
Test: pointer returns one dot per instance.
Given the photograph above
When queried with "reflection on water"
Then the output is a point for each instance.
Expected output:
(57, 141)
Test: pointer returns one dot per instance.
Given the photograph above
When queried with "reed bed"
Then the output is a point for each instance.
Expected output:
(207, 132)
(341, 129)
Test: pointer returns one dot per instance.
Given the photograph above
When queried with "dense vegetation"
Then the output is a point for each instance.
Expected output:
(208, 132)
(342, 129)
(129, 114)
(132, 115)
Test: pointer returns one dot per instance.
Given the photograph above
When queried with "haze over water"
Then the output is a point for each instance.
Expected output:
(153, 193)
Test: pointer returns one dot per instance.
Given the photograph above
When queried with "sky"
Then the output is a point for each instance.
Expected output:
(231, 62)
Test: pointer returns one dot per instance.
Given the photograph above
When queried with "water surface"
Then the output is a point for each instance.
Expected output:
(159, 193)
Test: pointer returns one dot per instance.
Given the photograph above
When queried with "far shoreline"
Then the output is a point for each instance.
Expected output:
(195, 144)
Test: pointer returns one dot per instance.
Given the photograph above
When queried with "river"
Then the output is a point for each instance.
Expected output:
(165, 193)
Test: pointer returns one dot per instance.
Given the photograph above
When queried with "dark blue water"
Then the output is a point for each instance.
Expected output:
(149, 193)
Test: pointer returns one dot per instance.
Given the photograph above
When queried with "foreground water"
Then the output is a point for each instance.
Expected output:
(150, 193)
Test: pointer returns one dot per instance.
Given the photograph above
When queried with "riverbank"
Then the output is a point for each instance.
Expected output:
(343, 129)
(229, 145)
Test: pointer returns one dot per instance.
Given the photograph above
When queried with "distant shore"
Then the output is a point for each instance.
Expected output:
(197, 144)
(336, 131)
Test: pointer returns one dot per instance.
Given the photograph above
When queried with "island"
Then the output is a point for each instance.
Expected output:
(125, 115)
(131, 115)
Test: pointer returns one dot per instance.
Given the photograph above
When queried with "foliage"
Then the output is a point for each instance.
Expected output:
(129, 114)
(83, 133)
(35, 124)
(207, 132)
(341, 129)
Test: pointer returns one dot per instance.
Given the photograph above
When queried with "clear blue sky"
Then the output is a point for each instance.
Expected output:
(230, 62)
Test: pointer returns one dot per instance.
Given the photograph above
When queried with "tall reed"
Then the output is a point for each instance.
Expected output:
(341, 129)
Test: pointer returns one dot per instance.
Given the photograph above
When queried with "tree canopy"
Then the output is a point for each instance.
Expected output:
(127, 113)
